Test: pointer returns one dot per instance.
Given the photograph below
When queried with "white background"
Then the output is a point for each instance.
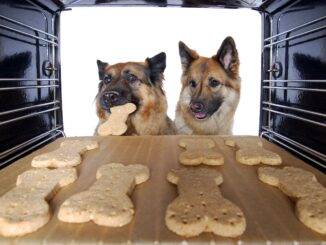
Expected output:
(131, 34)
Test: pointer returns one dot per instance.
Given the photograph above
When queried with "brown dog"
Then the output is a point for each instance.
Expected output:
(139, 83)
(210, 91)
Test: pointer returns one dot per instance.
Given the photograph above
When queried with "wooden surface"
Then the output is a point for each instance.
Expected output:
(269, 213)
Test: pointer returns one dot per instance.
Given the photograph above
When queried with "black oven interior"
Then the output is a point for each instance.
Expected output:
(293, 72)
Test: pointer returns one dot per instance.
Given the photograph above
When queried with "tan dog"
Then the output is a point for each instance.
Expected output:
(139, 83)
(210, 91)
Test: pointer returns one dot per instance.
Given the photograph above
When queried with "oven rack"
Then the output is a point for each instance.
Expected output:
(293, 146)
(47, 37)
(273, 84)
(46, 81)
(27, 146)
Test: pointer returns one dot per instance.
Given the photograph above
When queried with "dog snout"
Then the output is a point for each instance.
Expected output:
(110, 98)
(197, 106)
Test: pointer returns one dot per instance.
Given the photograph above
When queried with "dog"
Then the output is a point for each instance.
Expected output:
(210, 91)
(139, 83)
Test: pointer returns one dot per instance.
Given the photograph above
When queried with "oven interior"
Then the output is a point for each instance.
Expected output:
(293, 72)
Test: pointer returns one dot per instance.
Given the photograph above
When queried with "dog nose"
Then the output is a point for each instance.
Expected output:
(113, 96)
(196, 106)
(110, 98)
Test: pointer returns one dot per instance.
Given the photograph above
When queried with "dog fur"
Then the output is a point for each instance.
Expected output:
(199, 77)
(139, 83)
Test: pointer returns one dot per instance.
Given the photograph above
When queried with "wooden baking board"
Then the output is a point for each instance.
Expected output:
(269, 213)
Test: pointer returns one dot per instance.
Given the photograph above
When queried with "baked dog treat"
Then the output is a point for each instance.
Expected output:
(116, 122)
(67, 155)
(303, 187)
(190, 143)
(200, 206)
(106, 202)
(199, 151)
(250, 151)
(25, 208)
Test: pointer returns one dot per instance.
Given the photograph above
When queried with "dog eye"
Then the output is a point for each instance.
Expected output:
(107, 78)
(193, 83)
(131, 78)
(213, 83)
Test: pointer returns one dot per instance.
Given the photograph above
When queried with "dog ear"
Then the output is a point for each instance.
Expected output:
(187, 55)
(101, 69)
(228, 57)
(157, 65)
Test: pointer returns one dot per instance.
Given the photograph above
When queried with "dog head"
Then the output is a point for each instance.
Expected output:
(123, 83)
(209, 84)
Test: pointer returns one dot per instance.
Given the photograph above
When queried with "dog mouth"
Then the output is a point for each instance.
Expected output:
(133, 102)
(107, 101)
(200, 115)
(201, 110)
(198, 110)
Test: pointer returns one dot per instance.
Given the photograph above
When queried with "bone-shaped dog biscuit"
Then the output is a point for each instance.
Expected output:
(250, 151)
(196, 143)
(106, 202)
(200, 206)
(303, 187)
(24, 209)
(116, 122)
(199, 151)
(67, 155)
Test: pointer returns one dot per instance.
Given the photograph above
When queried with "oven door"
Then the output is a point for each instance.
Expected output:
(293, 88)
(30, 93)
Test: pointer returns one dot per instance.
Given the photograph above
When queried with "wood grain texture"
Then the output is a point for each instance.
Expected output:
(269, 213)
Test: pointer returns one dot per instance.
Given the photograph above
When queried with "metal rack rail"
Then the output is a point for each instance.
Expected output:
(27, 34)
(294, 117)
(43, 87)
(295, 88)
(295, 28)
(295, 36)
(28, 26)
(276, 105)
(28, 87)
(295, 81)
(27, 79)
(53, 39)
(295, 109)
(28, 115)
(29, 107)
(30, 144)
(27, 142)
(271, 135)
